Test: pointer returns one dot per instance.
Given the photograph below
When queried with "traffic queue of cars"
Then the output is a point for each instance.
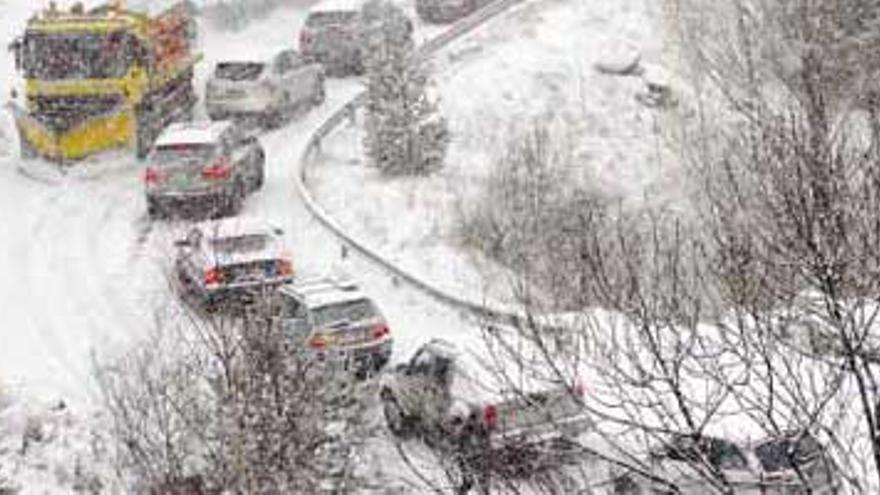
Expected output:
(226, 262)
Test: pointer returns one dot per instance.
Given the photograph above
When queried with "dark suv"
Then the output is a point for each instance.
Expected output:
(334, 37)
(202, 168)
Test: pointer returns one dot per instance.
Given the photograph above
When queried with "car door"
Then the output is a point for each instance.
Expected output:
(286, 75)
(305, 77)
(292, 317)
(189, 261)
(236, 150)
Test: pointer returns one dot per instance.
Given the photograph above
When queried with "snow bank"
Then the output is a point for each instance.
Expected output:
(50, 448)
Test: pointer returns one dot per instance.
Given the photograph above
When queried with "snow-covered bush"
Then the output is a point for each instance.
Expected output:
(531, 210)
(405, 133)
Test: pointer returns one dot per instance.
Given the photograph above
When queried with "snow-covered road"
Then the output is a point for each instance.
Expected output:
(82, 269)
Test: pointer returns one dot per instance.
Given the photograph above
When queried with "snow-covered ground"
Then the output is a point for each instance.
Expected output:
(534, 62)
(82, 272)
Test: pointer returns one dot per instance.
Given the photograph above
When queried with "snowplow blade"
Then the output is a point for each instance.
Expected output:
(91, 135)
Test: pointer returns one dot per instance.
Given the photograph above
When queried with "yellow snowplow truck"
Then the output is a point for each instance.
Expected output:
(102, 78)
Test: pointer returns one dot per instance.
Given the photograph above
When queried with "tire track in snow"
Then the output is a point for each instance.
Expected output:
(77, 251)
(38, 317)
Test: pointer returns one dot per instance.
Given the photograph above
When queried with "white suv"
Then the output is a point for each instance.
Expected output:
(267, 89)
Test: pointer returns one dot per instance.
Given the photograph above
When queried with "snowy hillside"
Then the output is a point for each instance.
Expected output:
(535, 63)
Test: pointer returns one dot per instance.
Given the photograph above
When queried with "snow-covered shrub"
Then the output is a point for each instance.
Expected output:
(405, 133)
(531, 211)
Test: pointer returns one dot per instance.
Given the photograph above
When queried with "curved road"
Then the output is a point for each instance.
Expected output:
(83, 270)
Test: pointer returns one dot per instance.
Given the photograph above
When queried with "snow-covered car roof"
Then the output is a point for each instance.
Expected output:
(153, 7)
(323, 291)
(203, 132)
(337, 5)
(238, 226)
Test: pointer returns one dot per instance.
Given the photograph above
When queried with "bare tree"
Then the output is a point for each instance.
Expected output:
(528, 209)
(230, 402)
(790, 198)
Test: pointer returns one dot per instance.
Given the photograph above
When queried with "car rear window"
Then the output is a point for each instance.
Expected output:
(239, 71)
(348, 311)
(241, 244)
(180, 154)
(317, 19)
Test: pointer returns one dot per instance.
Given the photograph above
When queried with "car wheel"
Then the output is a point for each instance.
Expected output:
(153, 210)
(395, 419)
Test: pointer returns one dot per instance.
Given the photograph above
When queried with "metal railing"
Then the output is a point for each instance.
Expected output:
(347, 111)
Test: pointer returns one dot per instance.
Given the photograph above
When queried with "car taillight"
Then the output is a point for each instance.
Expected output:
(213, 276)
(490, 416)
(284, 267)
(318, 342)
(219, 170)
(152, 176)
(380, 331)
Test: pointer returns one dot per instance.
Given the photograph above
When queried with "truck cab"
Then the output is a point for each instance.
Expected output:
(102, 78)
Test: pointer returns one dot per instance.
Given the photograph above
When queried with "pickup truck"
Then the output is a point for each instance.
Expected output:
(451, 397)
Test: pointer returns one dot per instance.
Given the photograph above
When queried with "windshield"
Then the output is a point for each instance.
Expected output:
(238, 71)
(349, 311)
(54, 56)
(317, 19)
(241, 244)
(183, 154)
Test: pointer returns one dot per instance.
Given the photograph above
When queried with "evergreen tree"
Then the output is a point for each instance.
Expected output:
(405, 133)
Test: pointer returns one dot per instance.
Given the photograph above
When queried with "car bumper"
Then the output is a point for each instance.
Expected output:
(247, 289)
(236, 106)
(550, 432)
(241, 294)
(371, 357)
(336, 60)
(189, 201)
